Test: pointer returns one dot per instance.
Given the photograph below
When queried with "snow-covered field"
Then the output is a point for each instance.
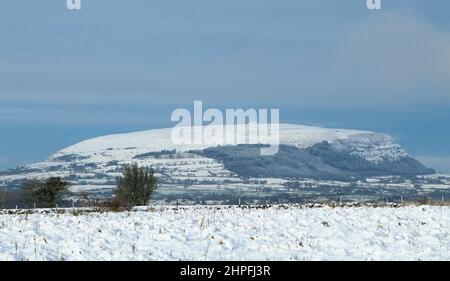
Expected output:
(231, 233)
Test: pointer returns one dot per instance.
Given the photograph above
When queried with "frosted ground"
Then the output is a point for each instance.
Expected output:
(231, 233)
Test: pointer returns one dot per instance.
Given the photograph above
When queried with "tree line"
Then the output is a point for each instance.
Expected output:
(135, 187)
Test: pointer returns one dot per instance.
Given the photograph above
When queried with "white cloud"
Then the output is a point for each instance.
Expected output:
(394, 57)
(439, 163)
(327, 58)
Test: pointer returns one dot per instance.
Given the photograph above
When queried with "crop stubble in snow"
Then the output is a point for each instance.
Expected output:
(231, 233)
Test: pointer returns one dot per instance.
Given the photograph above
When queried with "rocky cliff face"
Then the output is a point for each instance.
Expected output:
(305, 152)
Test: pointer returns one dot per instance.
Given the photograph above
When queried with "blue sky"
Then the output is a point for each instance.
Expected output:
(119, 66)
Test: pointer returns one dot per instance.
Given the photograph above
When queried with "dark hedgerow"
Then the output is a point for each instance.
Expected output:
(136, 186)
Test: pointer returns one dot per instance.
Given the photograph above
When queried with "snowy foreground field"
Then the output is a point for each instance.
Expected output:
(231, 233)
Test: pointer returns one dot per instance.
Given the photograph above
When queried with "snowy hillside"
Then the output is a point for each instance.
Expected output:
(231, 233)
(306, 153)
(372, 146)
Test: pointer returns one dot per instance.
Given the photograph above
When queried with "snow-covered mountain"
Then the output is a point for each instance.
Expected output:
(305, 152)
(374, 147)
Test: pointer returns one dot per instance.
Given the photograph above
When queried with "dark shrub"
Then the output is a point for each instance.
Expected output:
(114, 204)
(136, 185)
(46, 193)
(2, 197)
(424, 201)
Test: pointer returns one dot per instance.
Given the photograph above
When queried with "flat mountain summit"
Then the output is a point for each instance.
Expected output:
(305, 152)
